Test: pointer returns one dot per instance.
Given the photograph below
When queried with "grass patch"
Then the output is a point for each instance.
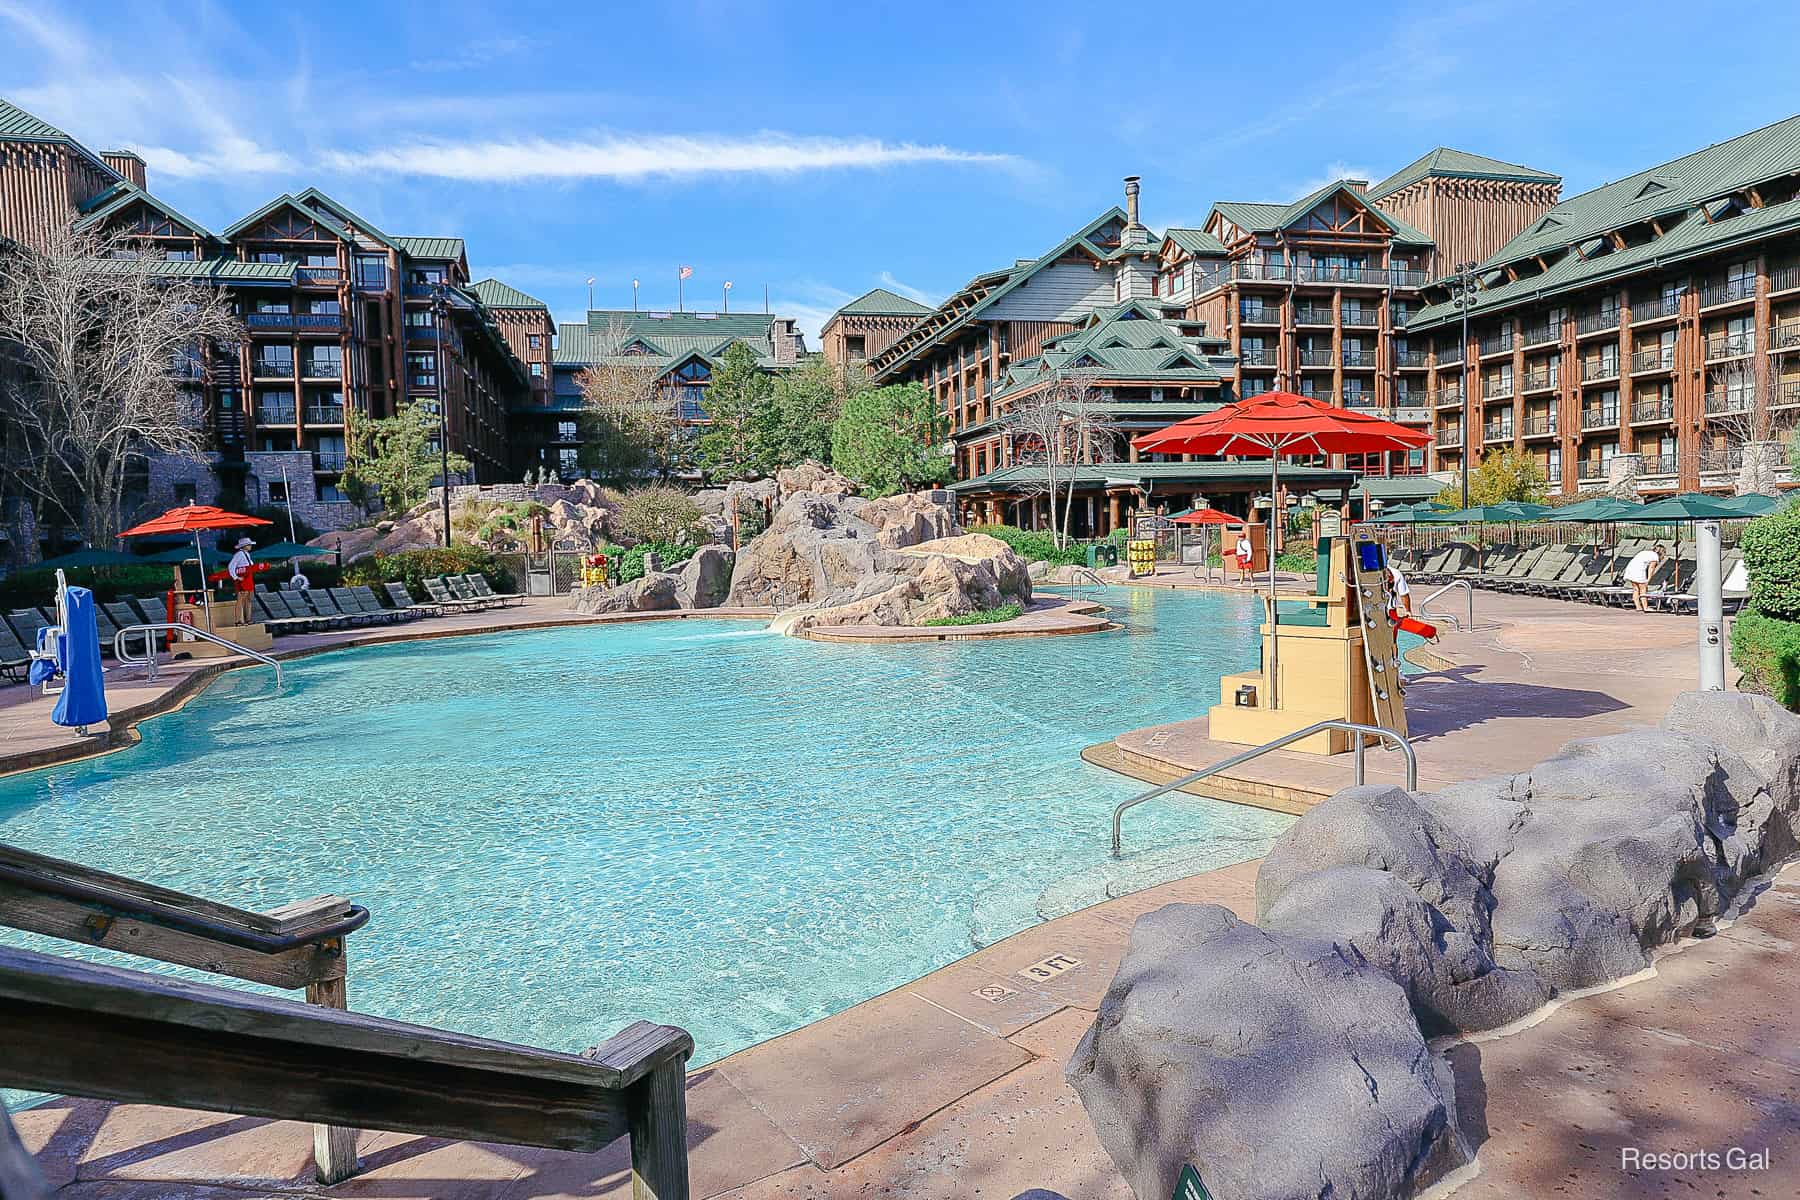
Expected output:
(984, 616)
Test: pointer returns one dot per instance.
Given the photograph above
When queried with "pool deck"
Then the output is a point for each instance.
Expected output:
(29, 740)
(1530, 675)
(952, 1085)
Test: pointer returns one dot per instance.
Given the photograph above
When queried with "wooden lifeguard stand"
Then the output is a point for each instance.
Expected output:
(1330, 655)
(190, 607)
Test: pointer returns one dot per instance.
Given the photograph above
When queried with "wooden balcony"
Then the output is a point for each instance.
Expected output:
(1496, 389)
(1359, 358)
(1595, 370)
(324, 414)
(1728, 291)
(1318, 358)
(1661, 465)
(1784, 336)
(1652, 412)
(1716, 460)
(1656, 308)
(1646, 362)
(1787, 394)
(1259, 314)
(1540, 425)
(1448, 437)
(1597, 322)
(1449, 396)
(1785, 278)
(1729, 345)
(1262, 356)
(1537, 335)
(275, 414)
(1599, 418)
(1497, 343)
(1725, 404)
(1312, 316)
(1360, 317)
(1540, 381)
(1408, 359)
(1591, 470)
(1502, 432)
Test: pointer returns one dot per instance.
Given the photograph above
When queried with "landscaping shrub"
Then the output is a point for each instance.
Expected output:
(631, 562)
(982, 616)
(1771, 546)
(414, 567)
(660, 514)
(35, 587)
(1033, 545)
(1767, 650)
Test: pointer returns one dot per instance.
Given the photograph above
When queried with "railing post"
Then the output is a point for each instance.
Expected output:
(657, 1111)
(334, 1147)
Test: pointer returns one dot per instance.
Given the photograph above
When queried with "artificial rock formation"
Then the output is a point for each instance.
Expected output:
(842, 560)
(1385, 917)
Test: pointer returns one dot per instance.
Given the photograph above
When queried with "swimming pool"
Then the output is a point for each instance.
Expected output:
(694, 821)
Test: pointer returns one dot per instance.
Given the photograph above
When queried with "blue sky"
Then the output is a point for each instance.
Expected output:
(823, 149)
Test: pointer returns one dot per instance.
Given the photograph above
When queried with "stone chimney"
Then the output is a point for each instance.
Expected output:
(125, 163)
(1134, 233)
(784, 339)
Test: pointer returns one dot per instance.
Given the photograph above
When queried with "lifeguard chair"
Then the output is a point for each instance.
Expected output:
(1330, 655)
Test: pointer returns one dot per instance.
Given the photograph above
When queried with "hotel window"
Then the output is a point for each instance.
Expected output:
(855, 346)
(324, 362)
(535, 341)
(325, 307)
(566, 431)
(331, 493)
(316, 259)
(278, 491)
(537, 370)
(421, 370)
(371, 271)
(425, 276)
(568, 459)
(271, 306)
(178, 255)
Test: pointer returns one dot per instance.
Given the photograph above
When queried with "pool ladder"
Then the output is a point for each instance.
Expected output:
(149, 631)
(1375, 731)
(1451, 586)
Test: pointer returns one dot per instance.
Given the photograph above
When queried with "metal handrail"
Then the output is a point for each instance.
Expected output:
(1466, 586)
(149, 659)
(1386, 735)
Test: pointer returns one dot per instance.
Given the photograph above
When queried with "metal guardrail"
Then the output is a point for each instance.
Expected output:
(150, 630)
(1386, 735)
(1466, 586)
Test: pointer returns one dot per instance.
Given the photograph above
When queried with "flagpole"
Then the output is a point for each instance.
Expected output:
(680, 302)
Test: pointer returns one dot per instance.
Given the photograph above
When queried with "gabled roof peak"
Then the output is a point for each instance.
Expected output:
(1449, 163)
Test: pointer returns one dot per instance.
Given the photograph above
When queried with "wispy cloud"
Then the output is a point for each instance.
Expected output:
(629, 157)
(1334, 171)
(887, 280)
(477, 54)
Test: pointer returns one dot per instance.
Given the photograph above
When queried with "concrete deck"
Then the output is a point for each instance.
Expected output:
(1532, 674)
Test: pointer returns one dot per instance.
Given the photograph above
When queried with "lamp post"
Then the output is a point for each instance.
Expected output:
(590, 293)
(438, 307)
(728, 295)
(1462, 295)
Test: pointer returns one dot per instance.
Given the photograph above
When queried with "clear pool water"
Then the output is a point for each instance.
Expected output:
(693, 821)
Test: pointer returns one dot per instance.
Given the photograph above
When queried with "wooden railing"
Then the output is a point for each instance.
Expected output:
(113, 1034)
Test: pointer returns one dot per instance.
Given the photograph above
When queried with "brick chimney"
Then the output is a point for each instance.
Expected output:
(125, 163)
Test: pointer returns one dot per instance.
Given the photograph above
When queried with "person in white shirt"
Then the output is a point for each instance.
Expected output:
(243, 578)
(1402, 593)
(1638, 573)
(1244, 553)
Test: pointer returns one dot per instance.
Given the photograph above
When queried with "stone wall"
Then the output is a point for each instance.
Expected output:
(264, 467)
(1290, 1058)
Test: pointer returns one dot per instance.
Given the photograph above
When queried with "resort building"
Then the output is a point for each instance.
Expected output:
(1643, 336)
(868, 325)
(683, 348)
(532, 421)
(343, 322)
(1315, 296)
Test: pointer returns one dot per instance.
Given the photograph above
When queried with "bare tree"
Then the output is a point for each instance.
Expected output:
(626, 388)
(105, 354)
(1739, 406)
(1055, 430)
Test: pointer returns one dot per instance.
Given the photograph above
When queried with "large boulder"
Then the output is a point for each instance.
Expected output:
(651, 592)
(849, 561)
(811, 476)
(704, 580)
(1278, 1066)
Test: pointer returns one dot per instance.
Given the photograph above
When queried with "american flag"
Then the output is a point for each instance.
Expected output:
(687, 272)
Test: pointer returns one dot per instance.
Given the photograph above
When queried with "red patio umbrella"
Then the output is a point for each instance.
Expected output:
(1206, 516)
(1277, 424)
(192, 518)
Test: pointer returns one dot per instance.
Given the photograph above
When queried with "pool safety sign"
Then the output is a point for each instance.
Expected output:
(1189, 1187)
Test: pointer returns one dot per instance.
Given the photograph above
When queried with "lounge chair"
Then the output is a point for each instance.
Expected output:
(1662, 581)
(25, 624)
(462, 591)
(440, 593)
(153, 609)
(350, 602)
(123, 616)
(14, 658)
(1594, 571)
(327, 600)
(365, 596)
(318, 603)
(276, 617)
(1504, 564)
(403, 602)
(478, 584)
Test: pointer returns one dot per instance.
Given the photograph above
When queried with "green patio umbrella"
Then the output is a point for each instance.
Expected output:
(90, 556)
(181, 554)
(1752, 504)
(282, 551)
(1598, 510)
(1685, 508)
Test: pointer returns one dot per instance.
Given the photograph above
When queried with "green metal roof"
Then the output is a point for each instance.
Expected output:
(1195, 241)
(313, 199)
(879, 302)
(431, 247)
(210, 270)
(1251, 472)
(495, 294)
(669, 339)
(1130, 342)
(17, 125)
(1267, 218)
(1394, 488)
(1459, 164)
(287, 201)
(123, 195)
(1688, 236)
